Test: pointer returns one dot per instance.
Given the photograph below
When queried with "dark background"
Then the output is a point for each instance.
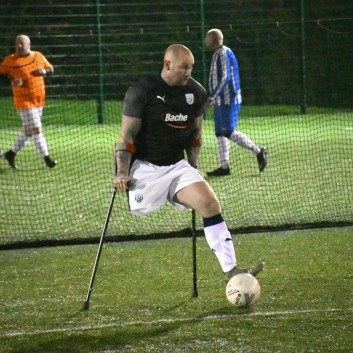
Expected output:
(289, 52)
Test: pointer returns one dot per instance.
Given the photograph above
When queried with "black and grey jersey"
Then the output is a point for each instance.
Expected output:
(168, 118)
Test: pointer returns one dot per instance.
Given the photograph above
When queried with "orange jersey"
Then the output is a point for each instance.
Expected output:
(31, 94)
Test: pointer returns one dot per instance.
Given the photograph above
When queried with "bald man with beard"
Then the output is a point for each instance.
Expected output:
(161, 124)
(26, 70)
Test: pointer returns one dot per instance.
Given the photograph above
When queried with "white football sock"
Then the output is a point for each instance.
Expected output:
(223, 151)
(20, 142)
(41, 144)
(243, 141)
(220, 241)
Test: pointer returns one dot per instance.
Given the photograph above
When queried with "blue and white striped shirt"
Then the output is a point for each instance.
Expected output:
(224, 81)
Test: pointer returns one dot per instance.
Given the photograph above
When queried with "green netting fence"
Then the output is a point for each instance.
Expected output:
(295, 69)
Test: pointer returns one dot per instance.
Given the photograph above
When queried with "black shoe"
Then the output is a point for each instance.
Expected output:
(261, 159)
(236, 270)
(10, 157)
(219, 172)
(49, 162)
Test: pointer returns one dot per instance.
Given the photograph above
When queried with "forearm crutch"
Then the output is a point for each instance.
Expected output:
(195, 292)
(85, 305)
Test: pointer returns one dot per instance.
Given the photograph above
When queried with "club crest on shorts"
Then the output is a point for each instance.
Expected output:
(189, 98)
(138, 198)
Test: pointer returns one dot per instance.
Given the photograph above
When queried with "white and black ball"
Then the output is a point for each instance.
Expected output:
(243, 290)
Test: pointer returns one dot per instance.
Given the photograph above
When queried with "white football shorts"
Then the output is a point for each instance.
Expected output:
(31, 118)
(155, 186)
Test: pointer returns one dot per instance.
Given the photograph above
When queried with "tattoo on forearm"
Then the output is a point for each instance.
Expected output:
(123, 159)
(129, 129)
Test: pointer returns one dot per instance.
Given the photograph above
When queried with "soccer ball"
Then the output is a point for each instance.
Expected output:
(243, 290)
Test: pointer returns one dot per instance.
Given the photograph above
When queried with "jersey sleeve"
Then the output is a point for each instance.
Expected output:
(4, 70)
(134, 101)
(43, 63)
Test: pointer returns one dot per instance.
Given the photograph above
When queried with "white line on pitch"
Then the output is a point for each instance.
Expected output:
(169, 321)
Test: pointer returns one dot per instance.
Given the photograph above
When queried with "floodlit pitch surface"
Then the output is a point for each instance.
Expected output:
(142, 297)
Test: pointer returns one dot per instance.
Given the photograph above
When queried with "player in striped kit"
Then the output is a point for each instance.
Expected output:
(225, 97)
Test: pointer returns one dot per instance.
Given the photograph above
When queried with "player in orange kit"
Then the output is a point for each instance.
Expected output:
(26, 70)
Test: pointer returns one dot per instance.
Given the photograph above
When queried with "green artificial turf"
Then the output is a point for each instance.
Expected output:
(141, 300)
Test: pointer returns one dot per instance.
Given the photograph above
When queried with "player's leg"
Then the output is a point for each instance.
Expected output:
(42, 147)
(19, 143)
(244, 141)
(223, 154)
(33, 119)
(200, 197)
(223, 127)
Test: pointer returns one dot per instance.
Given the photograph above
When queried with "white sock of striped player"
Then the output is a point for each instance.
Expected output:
(243, 141)
(223, 151)
(220, 241)
(20, 142)
(41, 144)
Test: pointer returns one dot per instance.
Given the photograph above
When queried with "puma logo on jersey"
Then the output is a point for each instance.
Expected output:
(162, 98)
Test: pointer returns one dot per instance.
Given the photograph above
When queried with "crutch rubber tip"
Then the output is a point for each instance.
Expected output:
(85, 306)
(195, 293)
